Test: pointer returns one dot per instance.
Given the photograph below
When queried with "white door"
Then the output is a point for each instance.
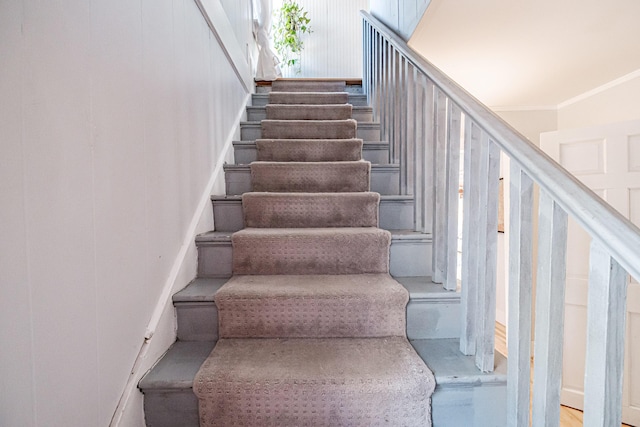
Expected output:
(606, 159)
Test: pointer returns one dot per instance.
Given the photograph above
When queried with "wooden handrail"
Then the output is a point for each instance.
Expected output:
(619, 236)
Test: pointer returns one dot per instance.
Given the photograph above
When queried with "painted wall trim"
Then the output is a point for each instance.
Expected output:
(595, 91)
(218, 22)
(168, 289)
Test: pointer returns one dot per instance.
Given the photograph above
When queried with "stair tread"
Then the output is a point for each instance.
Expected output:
(422, 288)
(452, 368)
(419, 288)
(199, 290)
(311, 285)
(277, 359)
(312, 306)
(225, 236)
(178, 367)
(389, 198)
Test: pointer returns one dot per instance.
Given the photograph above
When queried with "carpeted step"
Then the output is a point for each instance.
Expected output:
(314, 382)
(311, 250)
(312, 306)
(308, 98)
(310, 177)
(308, 112)
(300, 210)
(308, 129)
(309, 150)
(308, 86)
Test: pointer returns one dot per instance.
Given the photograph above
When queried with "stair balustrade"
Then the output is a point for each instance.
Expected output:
(426, 116)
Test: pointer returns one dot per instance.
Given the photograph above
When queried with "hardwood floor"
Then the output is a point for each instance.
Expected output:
(569, 417)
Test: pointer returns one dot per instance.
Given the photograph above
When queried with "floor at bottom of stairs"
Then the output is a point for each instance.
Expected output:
(464, 396)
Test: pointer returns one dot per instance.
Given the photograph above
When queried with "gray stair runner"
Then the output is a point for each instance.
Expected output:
(298, 210)
(316, 296)
(310, 176)
(309, 129)
(308, 150)
(308, 112)
(283, 85)
(307, 98)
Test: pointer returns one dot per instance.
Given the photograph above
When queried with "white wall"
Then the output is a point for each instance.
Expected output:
(614, 102)
(115, 119)
(401, 16)
(334, 48)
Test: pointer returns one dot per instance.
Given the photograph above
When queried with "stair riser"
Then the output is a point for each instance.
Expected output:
(374, 153)
(407, 258)
(250, 131)
(480, 405)
(360, 114)
(262, 99)
(393, 214)
(431, 319)
(197, 321)
(384, 180)
(171, 408)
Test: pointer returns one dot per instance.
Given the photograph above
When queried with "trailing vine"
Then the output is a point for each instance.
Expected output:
(292, 22)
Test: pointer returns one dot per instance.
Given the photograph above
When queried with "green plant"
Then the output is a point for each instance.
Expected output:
(292, 22)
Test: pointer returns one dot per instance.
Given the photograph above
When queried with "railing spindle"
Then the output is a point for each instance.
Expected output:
(550, 290)
(452, 197)
(486, 323)
(440, 180)
(520, 297)
(606, 311)
(470, 237)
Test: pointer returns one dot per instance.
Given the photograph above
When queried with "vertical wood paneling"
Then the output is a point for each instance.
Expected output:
(333, 49)
(549, 331)
(606, 315)
(520, 297)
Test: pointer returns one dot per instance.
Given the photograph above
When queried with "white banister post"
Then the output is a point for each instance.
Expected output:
(606, 313)
(470, 234)
(452, 197)
(440, 197)
(409, 158)
(486, 323)
(550, 290)
(428, 157)
(520, 297)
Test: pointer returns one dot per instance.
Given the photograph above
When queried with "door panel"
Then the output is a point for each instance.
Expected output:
(607, 160)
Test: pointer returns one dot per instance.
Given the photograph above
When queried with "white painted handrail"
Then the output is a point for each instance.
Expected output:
(425, 115)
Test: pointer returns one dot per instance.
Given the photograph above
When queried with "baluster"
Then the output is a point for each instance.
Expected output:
(550, 290)
(606, 313)
(470, 237)
(452, 197)
(486, 323)
(424, 177)
(401, 121)
(520, 297)
(409, 159)
(439, 202)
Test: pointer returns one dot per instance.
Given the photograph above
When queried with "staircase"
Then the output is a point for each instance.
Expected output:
(303, 286)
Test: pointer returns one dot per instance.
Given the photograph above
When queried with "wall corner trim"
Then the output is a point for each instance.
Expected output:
(595, 91)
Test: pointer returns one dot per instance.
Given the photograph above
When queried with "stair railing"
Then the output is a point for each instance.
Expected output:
(426, 116)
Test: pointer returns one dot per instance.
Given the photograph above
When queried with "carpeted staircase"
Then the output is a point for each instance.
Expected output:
(311, 324)
(301, 290)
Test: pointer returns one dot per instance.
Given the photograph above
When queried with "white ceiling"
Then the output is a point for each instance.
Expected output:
(531, 53)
